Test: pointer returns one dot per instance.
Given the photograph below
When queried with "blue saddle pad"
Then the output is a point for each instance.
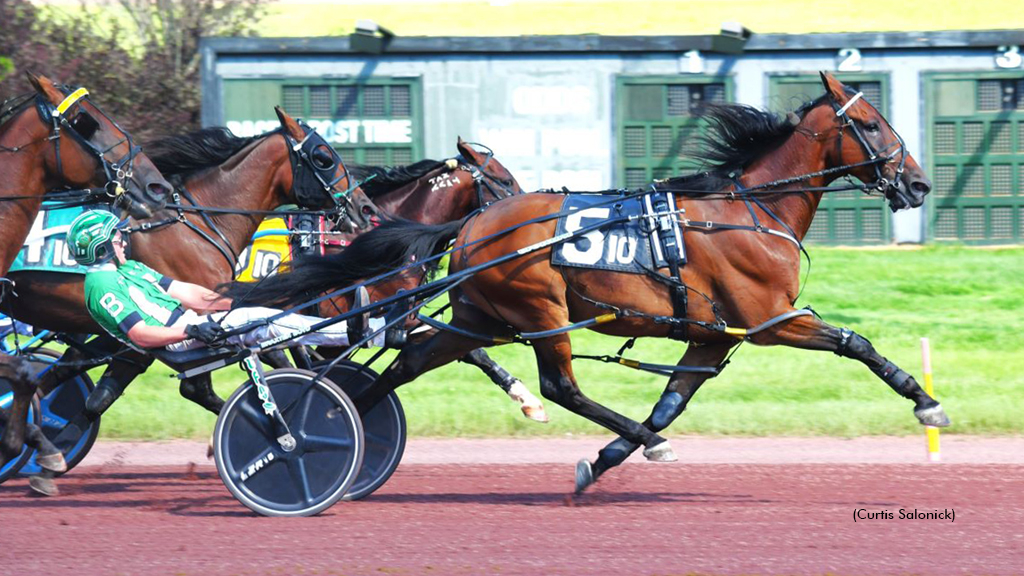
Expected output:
(617, 247)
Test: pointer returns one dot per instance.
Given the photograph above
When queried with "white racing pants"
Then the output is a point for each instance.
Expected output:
(333, 335)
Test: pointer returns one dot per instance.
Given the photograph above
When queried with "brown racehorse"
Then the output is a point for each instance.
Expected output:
(219, 171)
(435, 192)
(49, 139)
(746, 277)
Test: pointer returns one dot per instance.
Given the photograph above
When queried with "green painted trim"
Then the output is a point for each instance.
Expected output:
(929, 84)
(621, 105)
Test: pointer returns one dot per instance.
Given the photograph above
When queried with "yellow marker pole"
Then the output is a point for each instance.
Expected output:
(931, 432)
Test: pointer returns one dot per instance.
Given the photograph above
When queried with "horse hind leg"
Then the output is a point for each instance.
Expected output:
(531, 406)
(17, 373)
(811, 333)
(557, 383)
(681, 388)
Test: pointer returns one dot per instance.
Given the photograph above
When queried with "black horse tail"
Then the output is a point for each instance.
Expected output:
(391, 245)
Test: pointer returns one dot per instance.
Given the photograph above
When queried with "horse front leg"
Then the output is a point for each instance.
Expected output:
(17, 373)
(681, 387)
(557, 383)
(199, 389)
(531, 406)
(809, 332)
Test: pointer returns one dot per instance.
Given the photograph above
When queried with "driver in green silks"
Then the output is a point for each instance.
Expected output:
(146, 309)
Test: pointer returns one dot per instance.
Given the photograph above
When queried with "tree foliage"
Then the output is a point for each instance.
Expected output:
(139, 58)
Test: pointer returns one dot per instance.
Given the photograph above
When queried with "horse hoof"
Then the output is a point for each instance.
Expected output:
(43, 485)
(584, 475)
(661, 452)
(530, 405)
(536, 413)
(934, 416)
(53, 462)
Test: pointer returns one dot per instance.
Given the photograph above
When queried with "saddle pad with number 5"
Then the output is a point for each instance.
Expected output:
(619, 247)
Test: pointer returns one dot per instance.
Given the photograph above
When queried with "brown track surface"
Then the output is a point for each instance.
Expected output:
(683, 518)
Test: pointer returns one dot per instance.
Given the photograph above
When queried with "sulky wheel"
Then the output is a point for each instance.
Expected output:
(306, 480)
(62, 404)
(384, 428)
(6, 397)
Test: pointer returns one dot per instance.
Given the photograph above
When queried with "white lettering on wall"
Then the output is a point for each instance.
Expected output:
(553, 100)
(338, 131)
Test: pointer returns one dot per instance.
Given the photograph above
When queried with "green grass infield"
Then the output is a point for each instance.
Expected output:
(967, 301)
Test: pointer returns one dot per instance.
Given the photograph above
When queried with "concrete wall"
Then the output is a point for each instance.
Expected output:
(550, 117)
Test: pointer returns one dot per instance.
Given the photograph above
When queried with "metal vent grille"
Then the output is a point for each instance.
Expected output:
(689, 142)
(1020, 136)
(973, 177)
(945, 138)
(974, 134)
(819, 228)
(1000, 138)
(1002, 222)
(401, 156)
(714, 93)
(661, 140)
(990, 95)
(293, 100)
(348, 155)
(871, 224)
(1001, 176)
(678, 100)
(845, 224)
(1020, 94)
(636, 177)
(945, 223)
(974, 223)
(945, 180)
(373, 101)
(635, 142)
(348, 102)
(661, 173)
(401, 101)
(376, 157)
(320, 101)
(872, 92)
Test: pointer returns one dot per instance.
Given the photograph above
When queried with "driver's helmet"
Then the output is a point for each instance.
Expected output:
(90, 237)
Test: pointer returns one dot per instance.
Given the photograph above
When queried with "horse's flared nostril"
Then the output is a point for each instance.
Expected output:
(158, 191)
(922, 187)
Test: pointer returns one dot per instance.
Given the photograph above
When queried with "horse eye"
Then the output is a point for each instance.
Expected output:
(85, 125)
(873, 127)
(322, 160)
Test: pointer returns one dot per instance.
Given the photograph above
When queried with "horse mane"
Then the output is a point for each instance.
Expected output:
(186, 154)
(388, 178)
(736, 135)
(11, 106)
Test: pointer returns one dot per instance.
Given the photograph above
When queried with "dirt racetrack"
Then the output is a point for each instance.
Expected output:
(785, 506)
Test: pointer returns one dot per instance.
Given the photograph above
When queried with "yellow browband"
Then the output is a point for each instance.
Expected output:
(70, 101)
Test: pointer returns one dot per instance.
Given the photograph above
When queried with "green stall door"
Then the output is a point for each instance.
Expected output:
(976, 151)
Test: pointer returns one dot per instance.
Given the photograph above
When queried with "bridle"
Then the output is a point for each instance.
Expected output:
(498, 188)
(118, 172)
(876, 158)
(307, 175)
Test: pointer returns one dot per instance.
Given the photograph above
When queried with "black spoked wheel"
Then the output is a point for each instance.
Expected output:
(62, 404)
(6, 397)
(307, 480)
(384, 428)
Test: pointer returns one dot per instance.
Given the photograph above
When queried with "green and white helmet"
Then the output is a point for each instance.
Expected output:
(90, 235)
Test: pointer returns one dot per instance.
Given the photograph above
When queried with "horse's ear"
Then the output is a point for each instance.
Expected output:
(835, 88)
(467, 152)
(45, 87)
(289, 124)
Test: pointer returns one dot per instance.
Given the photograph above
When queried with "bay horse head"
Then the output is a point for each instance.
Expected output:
(320, 179)
(878, 154)
(90, 149)
(492, 180)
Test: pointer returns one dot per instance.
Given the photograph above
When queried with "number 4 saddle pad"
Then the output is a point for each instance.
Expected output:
(649, 240)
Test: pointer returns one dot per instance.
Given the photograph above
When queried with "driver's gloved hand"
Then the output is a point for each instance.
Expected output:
(207, 332)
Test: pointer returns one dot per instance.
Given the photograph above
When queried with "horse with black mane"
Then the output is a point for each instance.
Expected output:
(743, 222)
(52, 139)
